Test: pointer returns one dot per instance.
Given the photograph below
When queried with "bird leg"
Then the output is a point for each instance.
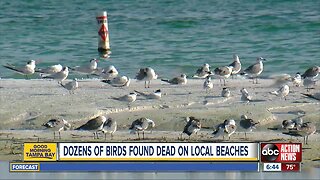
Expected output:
(245, 135)
(59, 135)
(142, 134)
(149, 84)
(145, 84)
(111, 135)
(138, 135)
(224, 82)
(54, 135)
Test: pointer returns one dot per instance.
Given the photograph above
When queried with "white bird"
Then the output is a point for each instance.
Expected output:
(282, 92)
(256, 69)
(225, 92)
(296, 80)
(192, 127)
(146, 74)
(245, 95)
(153, 95)
(87, 69)
(223, 72)
(57, 125)
(207, 85)
(119, 81)
(236, 65)
(109, 73)
(71, 86)
(95, 124)
(109, 127)
(203, 71)
(177, 80)
(129, 98)
(26, 70)
(141, 124)
(51, 69)
(227, 127)
(59, 76)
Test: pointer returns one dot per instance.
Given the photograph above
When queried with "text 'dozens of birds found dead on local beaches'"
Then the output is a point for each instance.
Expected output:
(158, 151)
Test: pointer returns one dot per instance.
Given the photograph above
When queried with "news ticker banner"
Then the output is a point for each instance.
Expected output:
(141, 152)
(160, 157)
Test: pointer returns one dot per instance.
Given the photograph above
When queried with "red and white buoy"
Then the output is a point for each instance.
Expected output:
(103, 34)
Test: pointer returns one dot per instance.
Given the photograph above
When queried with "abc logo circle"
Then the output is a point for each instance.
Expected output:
(270, 152)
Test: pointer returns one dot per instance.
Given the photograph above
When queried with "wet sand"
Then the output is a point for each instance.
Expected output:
(27, 104)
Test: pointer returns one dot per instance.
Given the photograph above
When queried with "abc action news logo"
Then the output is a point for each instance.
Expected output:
(281, 152)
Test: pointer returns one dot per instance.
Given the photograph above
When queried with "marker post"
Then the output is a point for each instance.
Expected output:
(103, 35)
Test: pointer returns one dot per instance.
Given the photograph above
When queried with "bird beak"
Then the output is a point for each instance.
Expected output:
(264, 59)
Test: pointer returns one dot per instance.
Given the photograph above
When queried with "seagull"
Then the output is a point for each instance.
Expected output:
(282, 92)
(131, 97)
(95, 124)
(304, 130)
(247, 124)
(192, 127)
(141, 124)
(119, 81)
(312, 72)
(203, 71)
(87, 69)
(110, 126)
(309, 82)
(292, 124)
(59, 76)
(146, 74)
(177, 80)
(223, 72)
(225, 92)
(296, 80)
(314, 96)
(207, 85)
(109, 73)
(154, 95)
(71, 86)
(256, 69)
(57, 125)
(227, 127)
(245, 95)
(51, 69)
(236, 65)
(26, 70)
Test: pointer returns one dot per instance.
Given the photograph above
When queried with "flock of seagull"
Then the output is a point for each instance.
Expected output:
(111, 76)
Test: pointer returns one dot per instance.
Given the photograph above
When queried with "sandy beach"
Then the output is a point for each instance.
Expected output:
(27, 104)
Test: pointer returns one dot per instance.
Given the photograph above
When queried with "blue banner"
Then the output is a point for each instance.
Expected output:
(147, 166)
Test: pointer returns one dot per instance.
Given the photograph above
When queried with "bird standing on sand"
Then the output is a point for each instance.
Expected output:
(312, 72)
(296, 80)
(245, 97)
(141, 124)
(236, 65)
(247, 124)
(256, 69)
(71, 86)
(304, 130)
(207, 85)
(146, 74)
(109, 127)
(153, 95)
(109, 73)
(119, 81)
(227, 127)
(225, 92)
(282, 92)
(203, 71)
(177, 80)
(57, 125)
(95, 124)
(26, 70)
(51, 69)
(87, 69)
(223, 72)
(192, 127)
(59, 76)
(309, 82)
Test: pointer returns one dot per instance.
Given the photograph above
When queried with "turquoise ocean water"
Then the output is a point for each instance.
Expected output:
(172, 36)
